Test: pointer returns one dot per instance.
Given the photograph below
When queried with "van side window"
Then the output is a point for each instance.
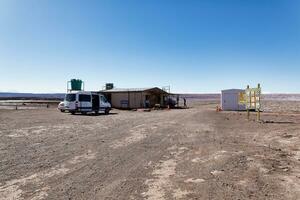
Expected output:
(84, 97)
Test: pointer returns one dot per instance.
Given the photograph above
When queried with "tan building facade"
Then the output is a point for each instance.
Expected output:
(133, 98)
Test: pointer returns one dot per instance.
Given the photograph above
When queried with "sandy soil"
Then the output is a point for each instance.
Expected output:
(194, 153)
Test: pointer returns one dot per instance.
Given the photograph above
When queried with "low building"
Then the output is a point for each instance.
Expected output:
(230, 100)
(131, 98)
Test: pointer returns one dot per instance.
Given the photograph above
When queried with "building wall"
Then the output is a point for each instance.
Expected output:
(230, 100)
(117, 98)
(134, 99)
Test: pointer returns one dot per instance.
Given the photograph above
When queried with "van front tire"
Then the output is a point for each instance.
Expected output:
(106, 111)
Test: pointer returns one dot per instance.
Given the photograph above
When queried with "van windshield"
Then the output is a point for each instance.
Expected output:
(70, 97)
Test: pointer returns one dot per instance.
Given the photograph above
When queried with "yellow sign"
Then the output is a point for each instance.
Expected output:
(242, 98)
(253, 98)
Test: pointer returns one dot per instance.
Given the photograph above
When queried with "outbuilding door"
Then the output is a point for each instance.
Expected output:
(230, 101)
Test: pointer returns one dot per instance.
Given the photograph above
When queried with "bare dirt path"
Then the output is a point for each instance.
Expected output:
(178, 154)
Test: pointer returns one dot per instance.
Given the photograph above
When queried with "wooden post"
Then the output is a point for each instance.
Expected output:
(258, 110)
(128, 102)
(248, 114)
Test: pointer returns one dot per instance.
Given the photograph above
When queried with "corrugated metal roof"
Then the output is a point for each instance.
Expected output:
(233, 90)
(131, 89)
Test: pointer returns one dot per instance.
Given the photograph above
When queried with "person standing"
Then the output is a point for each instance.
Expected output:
(184, 102)
(147, 103)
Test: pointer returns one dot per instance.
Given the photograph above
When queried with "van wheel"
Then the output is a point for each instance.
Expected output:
(106, 111)
(73, 113)
(84, 113)
(97, 112)
(62, 110)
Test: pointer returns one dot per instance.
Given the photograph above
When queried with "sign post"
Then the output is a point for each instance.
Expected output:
(258, 105)
(248, 111)
(251, 98)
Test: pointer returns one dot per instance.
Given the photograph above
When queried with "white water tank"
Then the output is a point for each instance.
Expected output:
(230, 100)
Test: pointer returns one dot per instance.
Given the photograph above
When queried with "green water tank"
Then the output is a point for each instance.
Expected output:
(76, 84)
(109, 86)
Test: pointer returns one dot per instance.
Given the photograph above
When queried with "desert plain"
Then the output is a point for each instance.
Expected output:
(194, 153)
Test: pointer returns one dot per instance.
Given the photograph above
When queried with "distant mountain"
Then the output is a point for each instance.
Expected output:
(25, 96)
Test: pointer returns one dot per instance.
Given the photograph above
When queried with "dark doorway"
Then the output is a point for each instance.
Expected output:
(95, 102)
(108, 97)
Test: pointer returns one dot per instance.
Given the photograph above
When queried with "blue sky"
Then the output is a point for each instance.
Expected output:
(199, 46)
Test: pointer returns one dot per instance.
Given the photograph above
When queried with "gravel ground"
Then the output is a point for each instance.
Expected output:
(193, 153)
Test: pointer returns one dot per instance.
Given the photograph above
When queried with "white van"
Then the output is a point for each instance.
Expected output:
(84, 102)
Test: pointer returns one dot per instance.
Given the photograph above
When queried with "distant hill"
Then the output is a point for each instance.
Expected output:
(204, 97)
(266, 97)
(282, 97)
(30, 96)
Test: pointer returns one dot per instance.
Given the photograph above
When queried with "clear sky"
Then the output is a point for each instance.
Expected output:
(199, 46)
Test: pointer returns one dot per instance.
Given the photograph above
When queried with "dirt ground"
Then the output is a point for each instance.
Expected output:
(193, 153)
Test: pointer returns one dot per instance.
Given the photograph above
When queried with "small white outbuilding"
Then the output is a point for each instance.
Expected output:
(230, 100)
